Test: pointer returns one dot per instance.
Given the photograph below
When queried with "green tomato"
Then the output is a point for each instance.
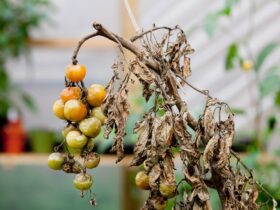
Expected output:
(74, 151)
(67, 129)
(167, 190)
(83, 181)
(142, 180)
(90, 126)
(97, 112)
(92, 160)
(55, 161)
(76, 140)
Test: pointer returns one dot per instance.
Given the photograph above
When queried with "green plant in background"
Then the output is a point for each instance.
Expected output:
(265, 81)
(17, 19)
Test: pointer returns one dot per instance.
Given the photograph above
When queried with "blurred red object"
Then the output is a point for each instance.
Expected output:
(13, 134)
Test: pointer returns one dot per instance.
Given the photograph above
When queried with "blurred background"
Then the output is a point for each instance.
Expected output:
(237, 57)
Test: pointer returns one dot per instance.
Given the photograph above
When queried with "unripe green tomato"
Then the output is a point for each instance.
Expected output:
(90, 127)
(142, 180)
(67, 129)
(97, 112)
(55, 161)
(167, 190)
(76, 140)
(92, 160)
(83, 181)
(74, 151)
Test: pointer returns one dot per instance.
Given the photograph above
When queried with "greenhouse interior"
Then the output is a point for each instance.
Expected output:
(139, 104)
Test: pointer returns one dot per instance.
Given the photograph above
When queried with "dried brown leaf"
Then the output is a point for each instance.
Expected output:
(209, 151)
(140, 150)
(116, 109)
(188, 149)
(154, 176)
(168, 175)
(162, 132)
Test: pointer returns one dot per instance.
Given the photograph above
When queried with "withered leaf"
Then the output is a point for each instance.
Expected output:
(208, 123)
(162, 132)
(154, 176)
(116, 109)
(186, 68)
(168, 176)
(140, 152)
(188, 149)
(209, 151)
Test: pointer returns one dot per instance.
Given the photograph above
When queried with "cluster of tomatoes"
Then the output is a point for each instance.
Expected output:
(166, 191)
(80, 108)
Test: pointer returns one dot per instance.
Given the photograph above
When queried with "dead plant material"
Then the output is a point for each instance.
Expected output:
(161, 65)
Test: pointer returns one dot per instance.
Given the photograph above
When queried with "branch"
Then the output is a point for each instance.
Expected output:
(101, 31)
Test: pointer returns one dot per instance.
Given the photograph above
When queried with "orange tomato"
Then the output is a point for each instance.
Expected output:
(58, 109)
(75, 110)
(70, 93)
(96, 95)
(75, 73)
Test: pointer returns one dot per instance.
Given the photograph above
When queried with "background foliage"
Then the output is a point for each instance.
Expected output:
(17, 19)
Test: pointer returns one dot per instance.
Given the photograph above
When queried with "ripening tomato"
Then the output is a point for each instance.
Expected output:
(90, 127)
(76, 140)
(75, 73)
(97, 112)
(75, 110)
(58, 109)
(92, 160)
(83, 181)
(247, 65)
(96, 95)
(142, 180)
(55, 161)
(70, 93)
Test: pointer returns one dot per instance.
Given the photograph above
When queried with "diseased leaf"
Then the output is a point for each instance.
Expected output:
(188, 151)
(187, 67)
(154, 176)
(208, 123)
(209, 151)
(162, 132)
(140, 151)
(168, 176)
(264, 53)
(115, 107)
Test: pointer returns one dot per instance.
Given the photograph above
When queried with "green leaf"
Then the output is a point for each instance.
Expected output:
(28, 101)
(211, 23)
(277, 99)
(238, 111)
(232, 54)
(265, 52)
(271, 82)
(271, 123)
